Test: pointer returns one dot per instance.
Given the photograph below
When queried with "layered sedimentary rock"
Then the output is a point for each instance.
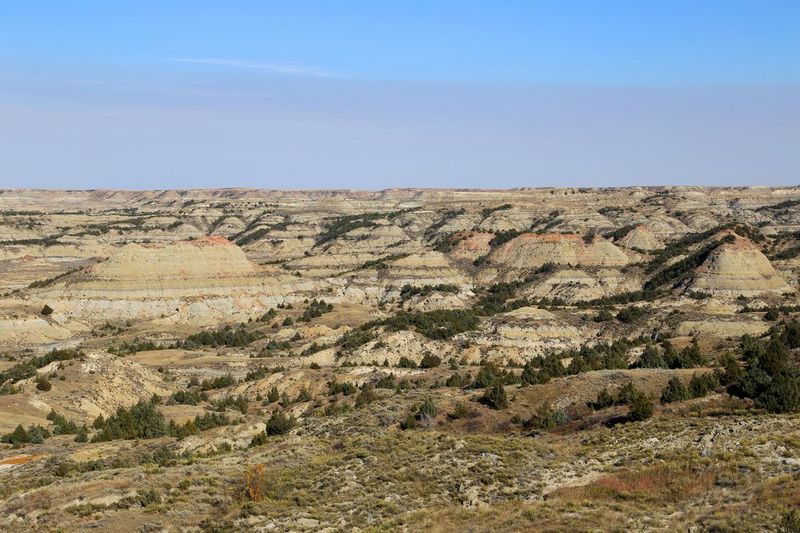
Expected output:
(574, 285)
(382, 279)
(532, 250)
(528, 332)
(204, 278)
(472, 245)
(640, 238)
(738, 268)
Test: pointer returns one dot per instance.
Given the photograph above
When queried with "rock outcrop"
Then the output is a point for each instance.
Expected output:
(200, 280)
(574, 285)
(532, 250)
(640, 238)
(737, 268)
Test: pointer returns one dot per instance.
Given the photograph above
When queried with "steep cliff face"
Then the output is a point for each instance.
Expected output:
(738, 268)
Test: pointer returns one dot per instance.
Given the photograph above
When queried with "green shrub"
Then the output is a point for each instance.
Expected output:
(791, 334)
(700, 385)
(130, 347)
(366, 396)
(651, 358)
(495, 397)
(754, 382)
(226, 336)
(641, 407)
(20, 436)
(140, 421)
(423, 416)
(43, 384)
(238, 403)
(458, 380)
(273, 395)
(604, 400)
(731, 370)
(148, 497)
(409, 291)
(219, 382)
(62, 426)
(386, 382)
(441, 324)
(782, 395)
(462, 410)
(7, 389)
(430, 361)
(189, 397)
(689, 357)
(604, 315)
(546, 418)
(427, 410)
(28, 368)
(675, 391)
(259, 440)
(531, 375)
(82, 435)
(303, 396)
(626, 393)
(280, 424)
(631, 314)
(335, 387)
(405, 362)
(790, 523)
(316, 308)
(490, 374)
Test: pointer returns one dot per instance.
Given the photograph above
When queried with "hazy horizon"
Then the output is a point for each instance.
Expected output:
(350, 96)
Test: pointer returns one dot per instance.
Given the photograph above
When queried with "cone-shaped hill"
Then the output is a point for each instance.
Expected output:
(737, 268)
(531, 250)
(206, 275)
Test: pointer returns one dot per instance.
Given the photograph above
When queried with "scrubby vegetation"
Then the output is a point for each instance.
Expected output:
(225, 336)
(219, 382)
(140, 421)
(771, 378)
(315, 309)
(495, 396)
(136, 345)
(28, 368)
(279, 424)
(422, 416)
(672, 273)
(632, 425)
(347, 223)
(21, 436)
(502, 237)
(409, 291)
(440, 324)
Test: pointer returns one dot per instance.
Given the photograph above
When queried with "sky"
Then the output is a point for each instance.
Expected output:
(373, 95)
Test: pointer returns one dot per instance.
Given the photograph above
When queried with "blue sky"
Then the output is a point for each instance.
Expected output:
(398, 94)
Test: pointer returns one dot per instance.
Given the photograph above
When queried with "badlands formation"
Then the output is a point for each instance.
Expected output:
(540, 359)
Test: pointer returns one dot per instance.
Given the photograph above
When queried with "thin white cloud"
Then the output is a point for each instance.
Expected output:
(277, 67)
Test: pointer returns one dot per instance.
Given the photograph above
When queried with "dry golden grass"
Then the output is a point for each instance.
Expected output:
(665, 483)
(254, 482)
